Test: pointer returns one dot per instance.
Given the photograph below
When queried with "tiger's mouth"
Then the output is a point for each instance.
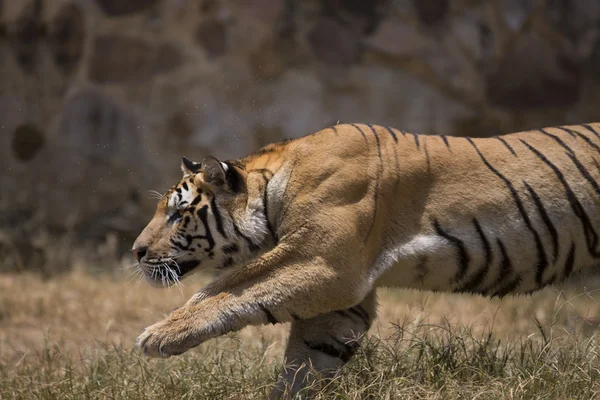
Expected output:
(168, 272)
(186, 266)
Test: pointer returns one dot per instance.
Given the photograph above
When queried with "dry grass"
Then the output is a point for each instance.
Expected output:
(71, 338)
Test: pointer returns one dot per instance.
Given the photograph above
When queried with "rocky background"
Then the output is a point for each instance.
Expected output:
(100, 98)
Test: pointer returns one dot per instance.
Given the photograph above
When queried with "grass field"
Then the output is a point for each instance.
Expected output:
(71, 338)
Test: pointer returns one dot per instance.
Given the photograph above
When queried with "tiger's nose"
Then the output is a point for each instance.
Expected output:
(139, 252)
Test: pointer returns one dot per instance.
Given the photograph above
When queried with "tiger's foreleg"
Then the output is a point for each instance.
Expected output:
(278, 287)
(319, 346)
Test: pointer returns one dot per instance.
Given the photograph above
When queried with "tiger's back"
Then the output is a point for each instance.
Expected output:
(493, 216)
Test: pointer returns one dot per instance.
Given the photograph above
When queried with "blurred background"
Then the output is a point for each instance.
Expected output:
(99, 99)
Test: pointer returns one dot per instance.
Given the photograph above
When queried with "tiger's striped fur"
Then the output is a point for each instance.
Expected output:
(305, 230)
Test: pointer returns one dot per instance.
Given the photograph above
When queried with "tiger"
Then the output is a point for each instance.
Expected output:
(305, 230)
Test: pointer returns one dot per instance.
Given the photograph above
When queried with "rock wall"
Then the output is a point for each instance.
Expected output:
(100, 98)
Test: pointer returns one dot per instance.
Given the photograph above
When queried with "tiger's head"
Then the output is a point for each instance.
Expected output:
(206, 221)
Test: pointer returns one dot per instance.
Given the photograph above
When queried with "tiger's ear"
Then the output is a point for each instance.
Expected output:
(214, 171)
(189, 167)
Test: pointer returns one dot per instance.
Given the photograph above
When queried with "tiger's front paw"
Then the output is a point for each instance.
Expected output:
(164, 339)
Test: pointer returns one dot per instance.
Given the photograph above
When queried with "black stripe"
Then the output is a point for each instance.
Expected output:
(585, 173)
(589, 128)
(177, 244)
(542, 259)
(343, 313)
(590, 234)
(203, 214)
(227, 263)
(350, 347)
(196, 200)
(505, 143)
(270, 317)
(551, 280)
(571, 154)
(479, 277)
(330, 350)
(582, 136)
(506, 270)
(505, 265)
(445, 139)
(190, 239)
(427, 159)
(546, 218)
(377, 142)
(185, 266)
(217, 215)
(355, 311)
(230, 248)
(392, 133)
(360, 130)
(361, 313)
(556, 139)
(235, 182)
(185, 185)
(509, 287)
(416, 140)
(569, 131)
(294, 316)
(573, 133)
(569, 262)
(462, 255)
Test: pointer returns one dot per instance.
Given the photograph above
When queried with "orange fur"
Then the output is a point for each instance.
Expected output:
(321, 221)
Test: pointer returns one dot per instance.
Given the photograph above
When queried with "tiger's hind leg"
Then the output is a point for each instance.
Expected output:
(322, 345)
